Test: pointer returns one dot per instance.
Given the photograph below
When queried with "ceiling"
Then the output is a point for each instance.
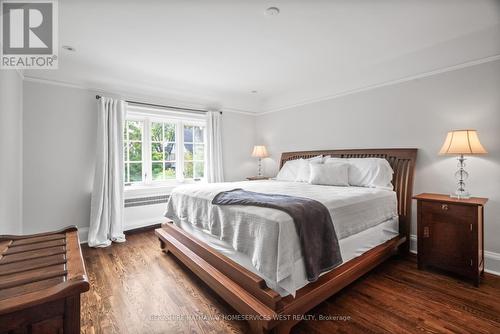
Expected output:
(215, 53)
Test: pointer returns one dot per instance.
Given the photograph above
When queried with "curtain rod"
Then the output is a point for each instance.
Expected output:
(163, 106)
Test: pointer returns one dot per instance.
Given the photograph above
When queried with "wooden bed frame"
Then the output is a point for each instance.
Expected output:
(248, 294)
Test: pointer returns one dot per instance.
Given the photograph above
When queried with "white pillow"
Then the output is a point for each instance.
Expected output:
(332, 174)
(330, 160)
(304, 170)
(289, 171)
(370, 172)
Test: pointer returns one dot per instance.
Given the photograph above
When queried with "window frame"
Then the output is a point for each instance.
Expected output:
(149, 116)
(126, 158)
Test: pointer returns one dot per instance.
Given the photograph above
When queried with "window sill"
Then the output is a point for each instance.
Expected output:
(148, 189)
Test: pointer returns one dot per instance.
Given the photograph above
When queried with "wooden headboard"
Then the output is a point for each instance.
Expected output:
(402, 161)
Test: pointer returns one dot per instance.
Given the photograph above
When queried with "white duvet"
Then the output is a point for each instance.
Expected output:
(267, 237)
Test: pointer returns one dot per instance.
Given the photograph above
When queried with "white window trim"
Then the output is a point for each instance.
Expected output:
(147, 116)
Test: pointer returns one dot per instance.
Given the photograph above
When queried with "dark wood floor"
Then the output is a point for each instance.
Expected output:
(137, 289)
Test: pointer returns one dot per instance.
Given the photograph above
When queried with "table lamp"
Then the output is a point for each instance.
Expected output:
(260, 151)
(462, 142)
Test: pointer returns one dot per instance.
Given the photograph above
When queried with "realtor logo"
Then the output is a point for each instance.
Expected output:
(29, 34)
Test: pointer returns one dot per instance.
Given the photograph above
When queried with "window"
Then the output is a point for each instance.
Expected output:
(163, 149)
(194, 151)
(132, 154)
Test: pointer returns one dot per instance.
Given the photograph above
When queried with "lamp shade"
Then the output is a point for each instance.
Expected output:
(462, 142)
(259, 151)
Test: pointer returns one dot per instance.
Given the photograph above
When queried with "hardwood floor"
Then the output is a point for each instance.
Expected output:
(135, 288)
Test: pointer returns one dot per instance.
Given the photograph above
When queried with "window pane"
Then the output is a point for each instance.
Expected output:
(156, 131)
(135, 172)
(169, 151)
(135, 151)
(198, 134)
(170, 170)
(156, 152)
(199, 152)
(188, 170)
(188, 151)
(134, 130)
(188, 134)
(157, 170)
(169, 132)
(125, 173)
(199, 169)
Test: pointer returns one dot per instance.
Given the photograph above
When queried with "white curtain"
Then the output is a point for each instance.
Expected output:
(215, 171)
(106, 211)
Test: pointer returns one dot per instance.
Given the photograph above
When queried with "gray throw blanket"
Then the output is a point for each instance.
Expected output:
(318, 240)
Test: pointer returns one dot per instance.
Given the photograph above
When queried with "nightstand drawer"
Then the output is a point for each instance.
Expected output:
(448, 210)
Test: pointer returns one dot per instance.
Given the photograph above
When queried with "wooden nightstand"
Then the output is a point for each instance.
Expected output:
(451, 235)
(257, 178)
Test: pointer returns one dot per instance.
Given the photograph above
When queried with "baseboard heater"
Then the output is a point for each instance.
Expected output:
(149, 200)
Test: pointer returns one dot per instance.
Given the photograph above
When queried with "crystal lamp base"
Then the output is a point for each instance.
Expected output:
(461, 175)
(461, 194)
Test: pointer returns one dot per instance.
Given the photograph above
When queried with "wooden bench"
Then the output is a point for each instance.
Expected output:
(41, 278)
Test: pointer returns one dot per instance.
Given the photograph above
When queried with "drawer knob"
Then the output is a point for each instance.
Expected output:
(444, 207)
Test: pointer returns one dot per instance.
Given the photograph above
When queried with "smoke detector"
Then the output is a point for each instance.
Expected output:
(272, 11)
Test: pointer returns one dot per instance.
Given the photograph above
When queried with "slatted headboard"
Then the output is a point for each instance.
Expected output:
(402, 161)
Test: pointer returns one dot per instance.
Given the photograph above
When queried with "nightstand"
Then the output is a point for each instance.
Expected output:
(451, 235)
(257, 178)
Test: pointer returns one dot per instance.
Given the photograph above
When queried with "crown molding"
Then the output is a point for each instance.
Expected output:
(284, 107)
(384, 84)
(127, 94)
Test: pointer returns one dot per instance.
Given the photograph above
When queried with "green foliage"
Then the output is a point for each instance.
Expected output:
(157, 132)
(188, 170)
(188, 152)
(163, 151)
(135, 151)
(135, 172)
(134, 130)
(170, 173)
(169, 134)
(156, 152)
(199, 152)
(199, 169)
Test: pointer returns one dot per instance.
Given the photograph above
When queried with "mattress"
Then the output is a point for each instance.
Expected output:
(264, 240)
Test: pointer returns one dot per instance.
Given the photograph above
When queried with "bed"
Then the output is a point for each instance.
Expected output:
(249, 256)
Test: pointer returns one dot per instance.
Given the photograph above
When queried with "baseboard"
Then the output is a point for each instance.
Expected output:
(142, 229)
(491, 259)
(413, 244)
(83, 232)
(143, 223)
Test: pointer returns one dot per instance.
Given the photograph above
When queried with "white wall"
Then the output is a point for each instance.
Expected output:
(417, 114)
(11, 151)
(58, 156)
(59, 145)
(238, 139)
